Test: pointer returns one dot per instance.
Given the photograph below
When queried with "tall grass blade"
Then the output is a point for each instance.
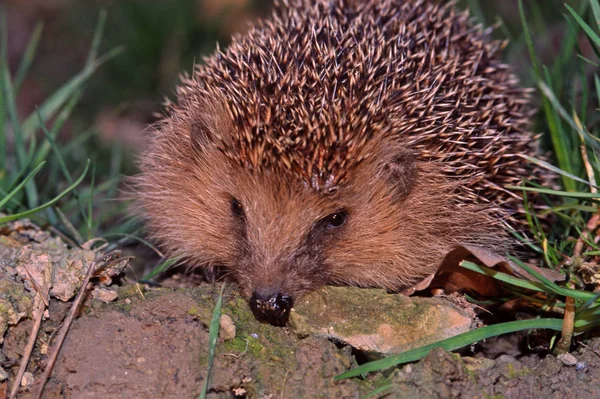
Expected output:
(588, 30)
(213, 334)
(28, 56)
(556, 170)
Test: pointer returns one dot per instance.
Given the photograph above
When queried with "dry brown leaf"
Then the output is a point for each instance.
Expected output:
(452, 277)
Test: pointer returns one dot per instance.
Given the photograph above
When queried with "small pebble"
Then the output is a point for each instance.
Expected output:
(580, 366)
(227, 330)
(27, 379)
(105, 295)
(567, 359)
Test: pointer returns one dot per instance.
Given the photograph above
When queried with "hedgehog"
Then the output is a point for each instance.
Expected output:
(339, 142)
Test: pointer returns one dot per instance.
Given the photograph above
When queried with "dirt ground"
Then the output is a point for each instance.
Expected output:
(155, 344)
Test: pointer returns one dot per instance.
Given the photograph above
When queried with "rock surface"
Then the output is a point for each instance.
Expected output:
(374, 321)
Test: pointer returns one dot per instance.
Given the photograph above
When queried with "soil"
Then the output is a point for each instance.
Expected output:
(155, 344)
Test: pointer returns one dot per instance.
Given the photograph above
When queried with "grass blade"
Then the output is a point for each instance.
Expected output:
(503, 277)
(453, 343)
(10, 195)
(28, 56)
(593, 141)
(596, 11)
(588, 30)
(554, 169)
(49, 203)
(161, 267)
(588, 196)
(11, 108)
(377, 391)
(213, 334)
(91, 203)
(544, 286)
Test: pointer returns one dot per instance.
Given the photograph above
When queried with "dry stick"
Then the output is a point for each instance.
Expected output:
(64, 330)
(564, 344)
(39, 313)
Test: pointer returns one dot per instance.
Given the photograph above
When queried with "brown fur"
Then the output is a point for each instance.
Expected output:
(395, 111)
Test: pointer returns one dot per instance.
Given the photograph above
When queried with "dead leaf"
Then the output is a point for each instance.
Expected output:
(452, 277)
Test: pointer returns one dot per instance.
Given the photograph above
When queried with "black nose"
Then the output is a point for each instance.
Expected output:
(273, 309)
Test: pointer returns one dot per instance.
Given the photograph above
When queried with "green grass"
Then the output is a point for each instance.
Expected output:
(50, 181)
(213, 334)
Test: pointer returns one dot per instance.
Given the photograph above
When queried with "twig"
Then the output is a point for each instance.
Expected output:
(564, 344)
(39, 314)
(65, 329)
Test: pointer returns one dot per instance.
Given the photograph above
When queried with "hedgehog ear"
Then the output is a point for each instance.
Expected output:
(400, 169)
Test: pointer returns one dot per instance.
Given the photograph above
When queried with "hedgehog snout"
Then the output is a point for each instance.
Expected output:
(272, 308)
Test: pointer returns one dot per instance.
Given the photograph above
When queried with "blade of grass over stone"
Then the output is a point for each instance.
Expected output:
(49, 203)
(28, 56)
(49, 108)
(213, 334)
(588, 30)
(554, 169)
(161, 267)
(453, 343)
(20, 186)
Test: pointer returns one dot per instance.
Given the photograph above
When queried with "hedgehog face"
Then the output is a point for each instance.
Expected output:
(283, 231)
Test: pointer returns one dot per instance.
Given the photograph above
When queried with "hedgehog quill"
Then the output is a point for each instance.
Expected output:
(338, 142)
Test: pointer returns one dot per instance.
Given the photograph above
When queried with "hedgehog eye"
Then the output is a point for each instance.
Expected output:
(335, 219)
(237, 208)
